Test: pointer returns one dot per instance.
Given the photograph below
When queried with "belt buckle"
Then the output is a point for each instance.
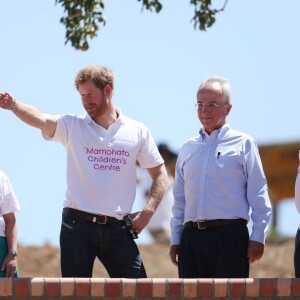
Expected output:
(99, 222)
(201, 226)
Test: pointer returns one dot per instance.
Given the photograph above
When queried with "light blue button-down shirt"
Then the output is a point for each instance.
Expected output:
(220, 176)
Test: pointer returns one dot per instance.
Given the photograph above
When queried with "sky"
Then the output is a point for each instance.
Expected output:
(158, 61)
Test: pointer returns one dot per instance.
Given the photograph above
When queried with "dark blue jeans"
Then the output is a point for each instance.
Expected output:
(297, 255)
(216, 252)
(81, 242)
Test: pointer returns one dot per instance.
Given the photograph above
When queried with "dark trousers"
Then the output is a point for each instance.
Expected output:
(297, 255)
(216, 252)
(81, 242)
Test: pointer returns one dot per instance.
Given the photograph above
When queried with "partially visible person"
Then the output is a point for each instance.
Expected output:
(103, 147)
(169, 157)
(219, 178)
(159, 225)
(8, 228)
(297, 239)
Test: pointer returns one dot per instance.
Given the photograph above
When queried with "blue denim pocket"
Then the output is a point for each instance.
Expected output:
(121, 232)
(70, 223)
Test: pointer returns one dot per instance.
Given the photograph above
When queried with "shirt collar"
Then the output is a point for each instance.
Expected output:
(120, 118)
(219, 133)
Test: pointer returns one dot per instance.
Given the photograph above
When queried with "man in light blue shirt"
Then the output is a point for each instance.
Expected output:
(219, 177)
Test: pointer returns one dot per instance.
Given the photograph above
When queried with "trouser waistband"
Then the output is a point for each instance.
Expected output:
(99, 219)
(214, 223)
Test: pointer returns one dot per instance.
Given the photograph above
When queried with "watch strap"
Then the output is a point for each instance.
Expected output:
(14, 252)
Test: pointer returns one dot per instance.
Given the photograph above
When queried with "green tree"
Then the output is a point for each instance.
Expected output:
(83, 17)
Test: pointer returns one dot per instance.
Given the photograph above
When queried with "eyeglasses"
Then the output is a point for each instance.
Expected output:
(210, 106)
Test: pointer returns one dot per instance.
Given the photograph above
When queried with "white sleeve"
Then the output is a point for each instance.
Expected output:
(9, 200)
(297, 188)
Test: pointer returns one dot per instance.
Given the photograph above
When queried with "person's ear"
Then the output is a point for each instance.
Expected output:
(228, 109)
(107, 90)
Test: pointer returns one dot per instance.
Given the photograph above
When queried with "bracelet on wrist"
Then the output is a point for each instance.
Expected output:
(13, 105)
(13, 252)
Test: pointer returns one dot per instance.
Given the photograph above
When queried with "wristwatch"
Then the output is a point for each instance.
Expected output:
(14, 252)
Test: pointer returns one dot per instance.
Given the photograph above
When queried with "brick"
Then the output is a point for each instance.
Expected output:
(284, 287)
(150, 288)
(296, 287)
(221, 287)
(52, 287)
(159, 287)
(5, 287)
(205, 287)
(21, 287)
(82, 287)
(252, 287)
(144, 287)
(129, 287)
(113, 287)
(37, 287)
(237, 287)
(174, 287)
(190, 288)
(67, 287)
(98, 287)
(268, 287)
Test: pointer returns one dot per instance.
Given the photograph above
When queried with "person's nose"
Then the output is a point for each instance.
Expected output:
(85, 98)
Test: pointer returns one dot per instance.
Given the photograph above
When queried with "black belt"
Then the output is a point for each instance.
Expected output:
(99, 219)
(214, 223)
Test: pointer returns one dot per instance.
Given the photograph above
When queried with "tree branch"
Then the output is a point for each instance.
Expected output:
(205, 16)
(83, 17)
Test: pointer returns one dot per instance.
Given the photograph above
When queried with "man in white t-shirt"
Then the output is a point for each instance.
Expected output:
(102, 148)
(8, 228)
(297, 239)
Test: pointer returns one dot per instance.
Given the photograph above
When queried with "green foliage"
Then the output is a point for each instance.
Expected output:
(81, 21)
(83, 17)
(149, 4)
(205, 16)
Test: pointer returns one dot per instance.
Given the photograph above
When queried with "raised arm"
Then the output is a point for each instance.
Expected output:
(29, 114)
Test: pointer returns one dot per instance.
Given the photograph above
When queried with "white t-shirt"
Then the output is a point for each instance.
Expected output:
(8, 200)
(101, 164)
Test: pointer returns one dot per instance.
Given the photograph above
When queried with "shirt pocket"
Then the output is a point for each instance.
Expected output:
(227, 163)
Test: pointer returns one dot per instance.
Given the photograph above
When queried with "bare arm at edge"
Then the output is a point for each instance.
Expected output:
(29, 114)
(10, 261)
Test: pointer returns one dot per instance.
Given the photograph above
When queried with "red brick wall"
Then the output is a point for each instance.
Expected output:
(163, 288)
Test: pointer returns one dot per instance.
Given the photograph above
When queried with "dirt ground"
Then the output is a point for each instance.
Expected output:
(44, 261)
